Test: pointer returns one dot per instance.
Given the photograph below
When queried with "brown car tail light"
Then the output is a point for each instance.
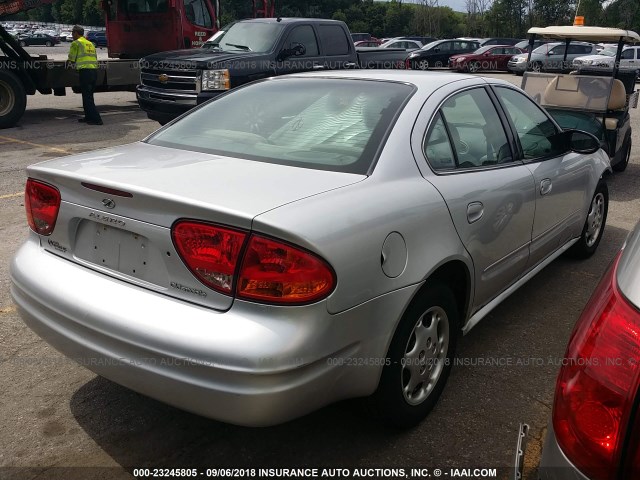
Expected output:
(598, 382)
(42, 203)
(210, 252)
(277, 272)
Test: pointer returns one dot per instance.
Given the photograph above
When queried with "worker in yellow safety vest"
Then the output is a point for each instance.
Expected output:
(83, 56)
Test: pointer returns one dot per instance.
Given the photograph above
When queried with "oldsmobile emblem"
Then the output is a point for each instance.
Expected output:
(108, 203)
(163, 78)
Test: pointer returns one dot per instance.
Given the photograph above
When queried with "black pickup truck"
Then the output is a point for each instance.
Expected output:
(173, 82)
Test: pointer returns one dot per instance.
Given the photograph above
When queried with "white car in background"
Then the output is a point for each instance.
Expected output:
(605, 59)
(401, 43)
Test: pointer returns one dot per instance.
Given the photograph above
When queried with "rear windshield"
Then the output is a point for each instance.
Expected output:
(323, 124)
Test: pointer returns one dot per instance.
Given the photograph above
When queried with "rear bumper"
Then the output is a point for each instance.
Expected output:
(253, 365)
(554, 465)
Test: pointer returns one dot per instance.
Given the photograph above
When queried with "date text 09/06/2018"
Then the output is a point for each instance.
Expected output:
(469, 473)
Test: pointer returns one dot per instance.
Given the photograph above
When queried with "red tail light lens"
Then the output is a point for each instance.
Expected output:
(277, 272)
(598, 381)
(211, 252)
(42, 203)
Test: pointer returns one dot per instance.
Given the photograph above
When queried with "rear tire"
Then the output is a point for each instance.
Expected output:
(419, 359)
(13, 99)
(593, 225)
(621, 166)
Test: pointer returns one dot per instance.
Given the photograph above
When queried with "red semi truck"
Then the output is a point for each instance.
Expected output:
(135, 28)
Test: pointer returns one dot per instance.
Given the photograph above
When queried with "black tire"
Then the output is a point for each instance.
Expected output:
(13, 99)
(474, 67)
(23, 43)
(537, 67)
(519, 74)
(590, 239)
(48, 44)
(421, 64)
(621, 166)
(435, 312)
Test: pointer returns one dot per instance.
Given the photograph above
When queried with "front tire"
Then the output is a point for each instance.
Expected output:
(422, 65)
(48, 44)
(419, 359)
(593, 225)
(474, 67)
(23, 43)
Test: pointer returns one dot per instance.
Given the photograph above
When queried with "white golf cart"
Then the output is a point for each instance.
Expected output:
(596, 101)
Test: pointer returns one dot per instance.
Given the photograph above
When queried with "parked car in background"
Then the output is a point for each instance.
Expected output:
(66, 36)
(595, 427)
(524, 44)
(99, 39)
(551, 57)
(499, 41)
(437, 54)
(423, 40)
(368, 43)
(358, 37)
(408, 45)
(485, 58)
(245, 287)
(37, 39)
(605, 60)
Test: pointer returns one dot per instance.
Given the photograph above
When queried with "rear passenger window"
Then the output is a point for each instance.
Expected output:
(333, 39)
(628, 54)
(476, 131)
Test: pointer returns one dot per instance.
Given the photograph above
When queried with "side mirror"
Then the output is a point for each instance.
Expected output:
(296, 50)
(436, 50)
(582, 142)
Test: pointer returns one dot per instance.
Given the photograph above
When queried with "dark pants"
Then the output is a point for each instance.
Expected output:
(88, 78)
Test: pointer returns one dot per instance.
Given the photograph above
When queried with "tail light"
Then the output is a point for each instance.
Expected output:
(598, 382)
(277, 272)
(211, 252)
(42, 203)
(267, 270)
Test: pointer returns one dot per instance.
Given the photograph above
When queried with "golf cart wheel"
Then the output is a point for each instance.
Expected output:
(626, 155)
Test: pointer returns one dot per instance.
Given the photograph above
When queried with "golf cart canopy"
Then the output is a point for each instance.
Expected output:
(587, 34)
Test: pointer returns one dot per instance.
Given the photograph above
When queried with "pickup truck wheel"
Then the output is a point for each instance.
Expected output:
(419, 359)
(593, 225)
(13, 99)
(626, 154)
(423, 64)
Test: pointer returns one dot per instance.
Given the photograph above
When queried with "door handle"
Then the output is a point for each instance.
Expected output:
(319, 67)
(475, 210)
(545, 186)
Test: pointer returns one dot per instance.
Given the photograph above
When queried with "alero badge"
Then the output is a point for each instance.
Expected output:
(163, 78)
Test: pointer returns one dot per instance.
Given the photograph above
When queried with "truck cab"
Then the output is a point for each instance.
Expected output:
(176, 81)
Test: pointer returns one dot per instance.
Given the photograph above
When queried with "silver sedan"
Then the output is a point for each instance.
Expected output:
(305, 239)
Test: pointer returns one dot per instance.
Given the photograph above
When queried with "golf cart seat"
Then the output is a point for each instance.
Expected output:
(575, 92)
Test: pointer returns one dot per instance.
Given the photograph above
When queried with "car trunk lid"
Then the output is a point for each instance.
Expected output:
(118, 206)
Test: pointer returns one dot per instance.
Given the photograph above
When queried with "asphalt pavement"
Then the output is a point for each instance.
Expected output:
(56, 414)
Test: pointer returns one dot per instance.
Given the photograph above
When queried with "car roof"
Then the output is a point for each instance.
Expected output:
(592, 34)
(423, 80)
